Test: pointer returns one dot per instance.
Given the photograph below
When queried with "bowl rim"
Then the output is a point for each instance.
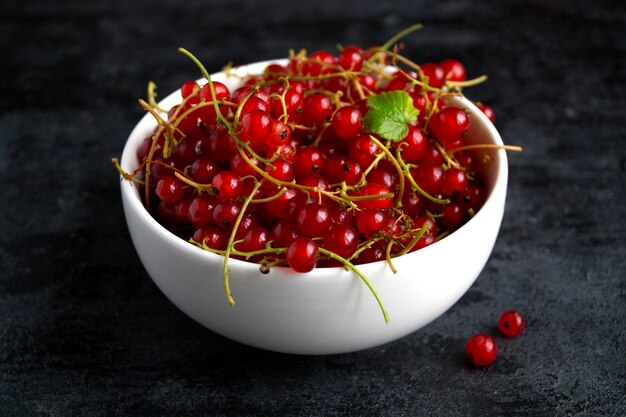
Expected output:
(132, 194)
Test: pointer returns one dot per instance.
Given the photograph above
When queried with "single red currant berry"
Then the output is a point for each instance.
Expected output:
(302, 254)
(280, 134)
(254, 103)
(363, 150)
(351, 58)
(488, 111)
(370, 221)
(481, 349)
(511, 323)
(203, 170)
(283, 233)
(226, 185)
(454, 181)
(350, 172)
(207, 113)
(256, 126)
(225, 213)
(280, 170)
(169, 190)
(382, 176)
(338, 215)
(313, 219)
(308, 161)
(449, 124)
(429, 177)
(317, 108)
(413, 145)
(346, 122)
(412, 204)
(211, 236)
(255, 238)
(451, 216)
(454, 70)
(248, 221)
(201, 209)
(341, 240)
(189, 88)
(435, 74)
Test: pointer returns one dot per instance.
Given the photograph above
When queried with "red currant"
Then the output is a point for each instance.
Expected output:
(351, 58)
(227, 185)
(481, 349)
(454, 70)
(169, 190)
(341, 240)
(211, 236)
(302, 254)
(511, 323)
(346, 122)
(313, 219)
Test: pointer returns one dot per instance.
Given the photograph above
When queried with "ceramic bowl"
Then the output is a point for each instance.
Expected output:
(328, 310)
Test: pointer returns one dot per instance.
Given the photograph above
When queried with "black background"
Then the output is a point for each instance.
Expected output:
(84, 331)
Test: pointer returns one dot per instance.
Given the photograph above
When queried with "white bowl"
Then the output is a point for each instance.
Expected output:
(328, 310)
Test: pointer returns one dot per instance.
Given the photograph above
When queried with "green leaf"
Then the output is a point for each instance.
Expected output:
(389, 113)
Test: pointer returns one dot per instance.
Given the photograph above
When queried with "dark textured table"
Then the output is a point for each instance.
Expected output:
(84, 331)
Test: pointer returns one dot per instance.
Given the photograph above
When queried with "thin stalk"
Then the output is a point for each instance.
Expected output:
(356, 270)
(231, 240)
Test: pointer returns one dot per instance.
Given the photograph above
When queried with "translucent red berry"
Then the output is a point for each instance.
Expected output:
(346, 122)
(169, 189)
(227, 185)
(511, 323)
(481, 349)
(302, 254)
(453, 69)
(341, 240)
(313, 219)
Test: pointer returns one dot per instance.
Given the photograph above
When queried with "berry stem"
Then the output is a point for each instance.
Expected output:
(124, 174)
(231, 240)
(388, 256)
(488, 146)
(152, 97)
(405, 170)
(468, 83)
(395, 38)
(414, 241)
(206, 75)
(356, 270)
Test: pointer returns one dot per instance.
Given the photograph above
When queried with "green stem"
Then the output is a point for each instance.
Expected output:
(395, 38)
(419, 189)
(349, 265)
(206, 75)
(231, 240)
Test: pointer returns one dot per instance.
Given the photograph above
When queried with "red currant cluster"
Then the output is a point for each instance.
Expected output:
(313, 163)
(482, 348)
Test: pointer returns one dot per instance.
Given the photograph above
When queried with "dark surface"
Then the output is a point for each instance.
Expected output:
(84, 331)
